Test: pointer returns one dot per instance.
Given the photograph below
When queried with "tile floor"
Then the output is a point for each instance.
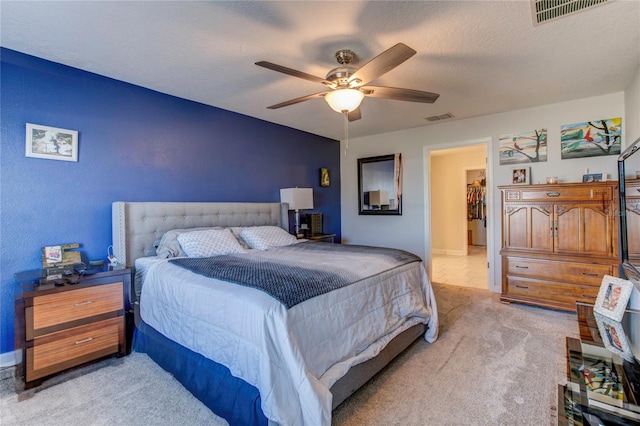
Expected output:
(465, 271)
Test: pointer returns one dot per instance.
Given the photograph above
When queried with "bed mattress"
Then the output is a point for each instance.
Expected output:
(292, 356)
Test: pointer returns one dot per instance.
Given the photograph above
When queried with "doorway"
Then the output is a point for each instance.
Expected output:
(459, 229)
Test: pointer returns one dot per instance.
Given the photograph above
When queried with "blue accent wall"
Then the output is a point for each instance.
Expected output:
(135, 144)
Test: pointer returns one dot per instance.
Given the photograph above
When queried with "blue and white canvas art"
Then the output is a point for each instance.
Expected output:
(527, 147)
(591, 138)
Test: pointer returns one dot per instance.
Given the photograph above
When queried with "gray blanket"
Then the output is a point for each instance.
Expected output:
(295, 273)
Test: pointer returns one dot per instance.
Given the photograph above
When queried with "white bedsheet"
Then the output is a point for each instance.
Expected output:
(292, 356)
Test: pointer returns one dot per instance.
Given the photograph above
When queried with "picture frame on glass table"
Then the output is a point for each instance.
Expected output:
(614, 337)
(612, 297)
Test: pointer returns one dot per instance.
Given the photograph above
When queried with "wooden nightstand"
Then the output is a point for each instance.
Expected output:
(323, 238)
(64, 324)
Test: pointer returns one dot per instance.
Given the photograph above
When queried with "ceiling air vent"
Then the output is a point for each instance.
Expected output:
(440, 117)
(547, 10)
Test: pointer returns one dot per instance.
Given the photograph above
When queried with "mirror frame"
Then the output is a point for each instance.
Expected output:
(361, 162)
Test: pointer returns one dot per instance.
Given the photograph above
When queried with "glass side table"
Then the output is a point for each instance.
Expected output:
(603, 371)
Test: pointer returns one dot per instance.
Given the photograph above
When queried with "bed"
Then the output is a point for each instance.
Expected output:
(259, 358)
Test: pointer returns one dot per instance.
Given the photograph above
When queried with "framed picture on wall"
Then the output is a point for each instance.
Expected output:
(521, 176)
(325, 180)
(51, 143)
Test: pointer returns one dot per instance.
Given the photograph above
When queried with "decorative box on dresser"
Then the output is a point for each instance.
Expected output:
(67, 322)
(558, 241)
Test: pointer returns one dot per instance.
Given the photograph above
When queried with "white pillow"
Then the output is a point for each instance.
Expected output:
(263, 237)
(169, 245)
(209, 243)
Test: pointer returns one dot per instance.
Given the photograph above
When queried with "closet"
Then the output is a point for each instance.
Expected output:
(476, 207)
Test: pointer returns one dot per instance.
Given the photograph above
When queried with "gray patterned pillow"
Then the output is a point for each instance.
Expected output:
(263, 237)
(209, 243)
(169, 245)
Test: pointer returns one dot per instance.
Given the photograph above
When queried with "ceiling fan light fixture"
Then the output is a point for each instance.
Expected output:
(341, 100)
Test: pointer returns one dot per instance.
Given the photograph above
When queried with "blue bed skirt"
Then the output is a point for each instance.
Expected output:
(227, 396)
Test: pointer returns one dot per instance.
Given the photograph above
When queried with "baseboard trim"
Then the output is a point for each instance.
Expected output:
(8, 359)
(449, 252)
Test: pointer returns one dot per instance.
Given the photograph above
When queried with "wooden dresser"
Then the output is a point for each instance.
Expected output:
(67, 322)
(558, 241)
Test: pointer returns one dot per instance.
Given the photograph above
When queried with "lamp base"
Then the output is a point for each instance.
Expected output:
(297, 233)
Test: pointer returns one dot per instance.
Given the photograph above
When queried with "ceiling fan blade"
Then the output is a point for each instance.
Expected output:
(295, 73)
(383, 63)
(354, 115)
(297, 100)
(400, 94)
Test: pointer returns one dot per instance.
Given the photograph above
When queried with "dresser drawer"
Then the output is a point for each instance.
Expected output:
(60, 308)
(568, 194)
(559, 193)
(574, 272)
(550, 290)
(58, 351)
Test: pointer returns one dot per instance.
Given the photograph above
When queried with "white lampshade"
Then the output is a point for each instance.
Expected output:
(341, 100)
(297, 198)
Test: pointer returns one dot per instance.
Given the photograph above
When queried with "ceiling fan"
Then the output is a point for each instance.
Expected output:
(347, 85)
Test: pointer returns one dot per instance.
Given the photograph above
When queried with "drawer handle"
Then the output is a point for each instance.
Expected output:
(88, 302)
(521, 286)
(79, 342)
(554, 194)
(590, 274)
(522, 267)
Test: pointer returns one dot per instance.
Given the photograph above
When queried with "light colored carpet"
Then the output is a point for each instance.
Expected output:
(493, 364)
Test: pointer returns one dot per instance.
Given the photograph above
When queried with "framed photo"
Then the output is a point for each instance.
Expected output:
(521, 176)
(53, 254)
(612, 297)
(51, 143)
(614, 337)
(324, 177)
(594, 177)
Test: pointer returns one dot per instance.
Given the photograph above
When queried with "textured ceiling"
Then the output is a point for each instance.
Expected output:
(482, 57)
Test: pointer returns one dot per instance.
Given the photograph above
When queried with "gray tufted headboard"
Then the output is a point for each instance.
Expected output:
(136, 226)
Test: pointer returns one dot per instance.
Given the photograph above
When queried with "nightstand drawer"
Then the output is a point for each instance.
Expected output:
(60, 308)
(58, 351)
(323, 238)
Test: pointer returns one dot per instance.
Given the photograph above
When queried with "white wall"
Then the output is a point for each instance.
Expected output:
(408, 231)
(632, 107)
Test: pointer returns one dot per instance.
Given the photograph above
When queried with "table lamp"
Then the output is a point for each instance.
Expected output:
(298, 199)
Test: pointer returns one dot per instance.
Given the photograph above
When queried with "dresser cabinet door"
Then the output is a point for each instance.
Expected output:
(583, 229)
(528, 227)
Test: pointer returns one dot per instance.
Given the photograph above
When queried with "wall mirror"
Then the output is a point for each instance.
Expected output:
(380, 185)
